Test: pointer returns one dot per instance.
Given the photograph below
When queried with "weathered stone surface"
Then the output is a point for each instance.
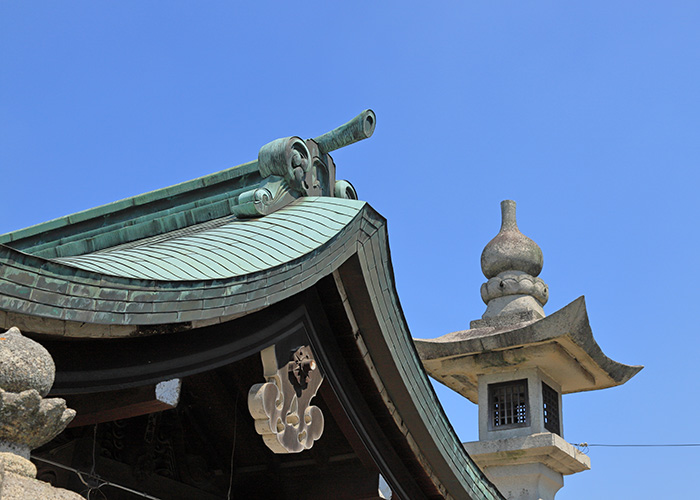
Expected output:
(27, 421)
(515, 363)
(26, 375)
(511, 250)
(24, 364)
(562, 344)
(16, 487)
(17, 465)
(514, 283)
(547, 448)
(508, 310)
(526, 481)
(512, 262)
(506, 322)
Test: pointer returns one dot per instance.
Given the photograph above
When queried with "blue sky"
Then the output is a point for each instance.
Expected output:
(585, 113)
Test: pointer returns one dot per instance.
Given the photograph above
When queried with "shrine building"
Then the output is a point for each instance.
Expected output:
(240, 336)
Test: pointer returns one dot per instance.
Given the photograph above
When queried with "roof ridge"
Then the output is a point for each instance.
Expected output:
(128, 204)
(285, 170)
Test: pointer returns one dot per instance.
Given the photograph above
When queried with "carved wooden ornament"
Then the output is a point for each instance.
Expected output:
(280, 407)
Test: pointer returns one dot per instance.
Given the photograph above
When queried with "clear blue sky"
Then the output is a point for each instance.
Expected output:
(585, 113)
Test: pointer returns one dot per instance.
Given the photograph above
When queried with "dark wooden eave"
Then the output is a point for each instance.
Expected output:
(359, 336)
(341, 296)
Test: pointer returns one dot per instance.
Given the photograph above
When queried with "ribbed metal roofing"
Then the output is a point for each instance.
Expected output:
(227, 247)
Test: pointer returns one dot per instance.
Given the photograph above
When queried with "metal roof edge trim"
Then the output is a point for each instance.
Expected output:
(131, 202)
(415, 399)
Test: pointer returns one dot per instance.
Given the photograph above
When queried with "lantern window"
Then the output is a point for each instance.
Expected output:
(508, 405)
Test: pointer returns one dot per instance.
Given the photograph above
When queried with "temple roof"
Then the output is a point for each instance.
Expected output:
(226, 247)
(210, 249)
(212, 271)
(274, 244)
(131, 219)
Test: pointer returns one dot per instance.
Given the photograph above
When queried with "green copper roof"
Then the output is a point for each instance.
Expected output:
(226, 248)
(191, 256)
(157, 212)
(206, 250)
(208, 273)
(286, 169)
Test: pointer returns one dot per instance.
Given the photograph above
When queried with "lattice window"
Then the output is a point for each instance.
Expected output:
(550, 399)
(508, 405)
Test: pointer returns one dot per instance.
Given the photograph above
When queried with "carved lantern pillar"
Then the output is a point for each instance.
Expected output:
(27, 419)
(515, 363)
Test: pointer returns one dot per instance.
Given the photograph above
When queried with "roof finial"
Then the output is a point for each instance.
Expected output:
(511, 250)
(27, 419)
(512, 262)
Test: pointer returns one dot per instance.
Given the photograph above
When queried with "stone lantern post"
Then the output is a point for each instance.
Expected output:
(515, 363)
(27, 418)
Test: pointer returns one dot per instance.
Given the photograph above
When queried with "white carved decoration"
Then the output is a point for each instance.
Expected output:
(280, 406)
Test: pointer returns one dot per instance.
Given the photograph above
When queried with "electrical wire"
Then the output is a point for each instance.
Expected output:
(583, 447)
(233, 447)
(102, 482)
(92, 468)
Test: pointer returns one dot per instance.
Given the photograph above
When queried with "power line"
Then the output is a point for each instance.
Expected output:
(94, 477)
(584, 446)
(643, 445)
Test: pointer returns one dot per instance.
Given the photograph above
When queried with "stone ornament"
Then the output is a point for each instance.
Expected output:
(280, 406)
(514, 283)
(27, 420)
(24, 364)
(511, 261)
(511, 250)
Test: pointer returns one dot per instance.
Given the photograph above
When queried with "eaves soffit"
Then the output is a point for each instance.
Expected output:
(563, 340)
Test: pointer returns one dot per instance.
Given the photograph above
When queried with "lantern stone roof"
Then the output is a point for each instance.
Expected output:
(514, 332)
(561, 344)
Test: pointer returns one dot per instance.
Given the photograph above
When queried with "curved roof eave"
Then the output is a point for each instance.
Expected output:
(382, 332)
(70, 298)
(401, 379)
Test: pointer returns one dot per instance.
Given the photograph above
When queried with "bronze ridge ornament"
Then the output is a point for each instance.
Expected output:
(291, 167)
(280, 406)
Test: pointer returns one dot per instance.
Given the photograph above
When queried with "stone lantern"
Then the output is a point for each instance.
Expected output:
(27, 418)
(516, 363)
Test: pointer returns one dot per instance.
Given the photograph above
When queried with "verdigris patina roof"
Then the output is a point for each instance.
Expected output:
(209, 249)
(226, 248)
(217, 272)
(212, 253)
(286, 169)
